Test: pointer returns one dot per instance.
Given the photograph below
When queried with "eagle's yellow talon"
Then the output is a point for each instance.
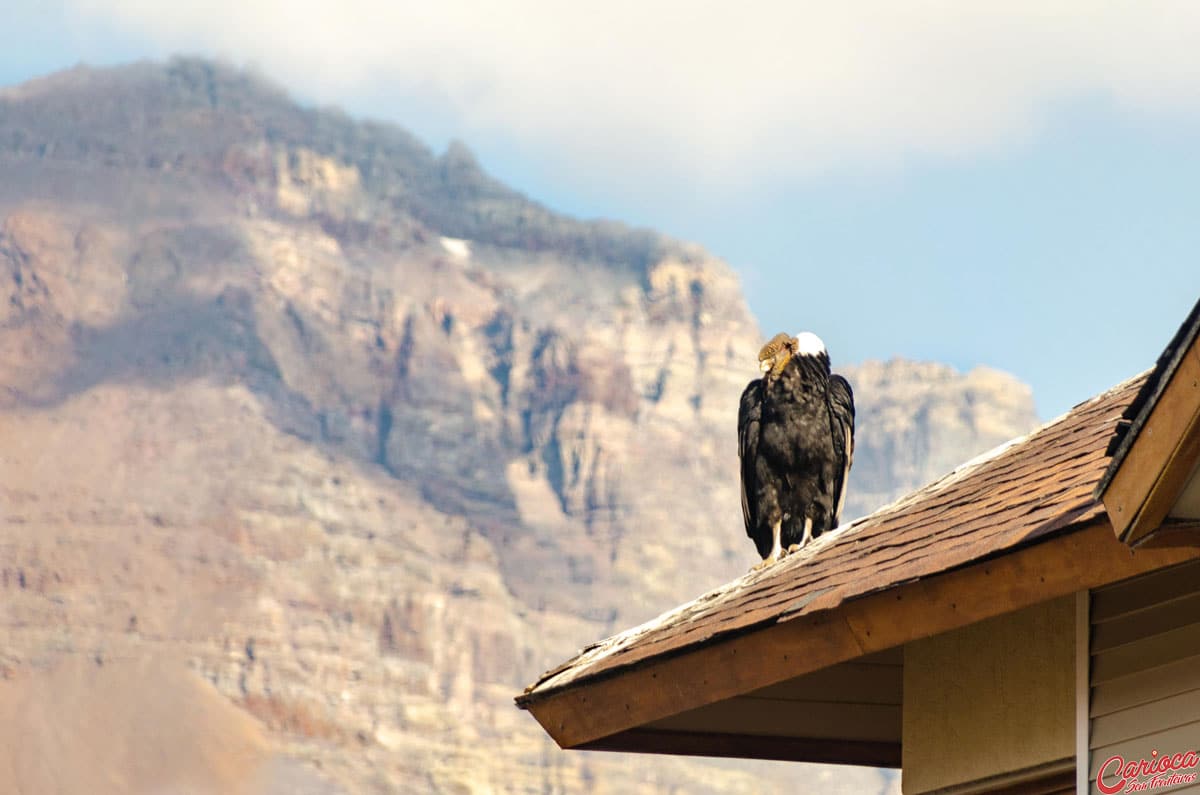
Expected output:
(767, 561)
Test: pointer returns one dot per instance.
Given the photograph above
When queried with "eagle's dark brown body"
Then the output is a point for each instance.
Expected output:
(796, 441)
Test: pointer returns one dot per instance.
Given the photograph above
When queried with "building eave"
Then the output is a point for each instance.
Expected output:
(610, 711)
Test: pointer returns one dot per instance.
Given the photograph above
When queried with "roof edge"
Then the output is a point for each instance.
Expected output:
(586, 710)
(1160, 447)
(1143, 404)
(1071, 522)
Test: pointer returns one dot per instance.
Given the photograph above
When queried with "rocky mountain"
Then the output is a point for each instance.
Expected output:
(351, 441)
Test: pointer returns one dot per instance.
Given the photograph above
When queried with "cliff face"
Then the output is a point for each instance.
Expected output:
(367, 439)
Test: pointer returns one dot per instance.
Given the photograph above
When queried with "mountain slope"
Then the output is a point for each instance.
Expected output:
(368, 439)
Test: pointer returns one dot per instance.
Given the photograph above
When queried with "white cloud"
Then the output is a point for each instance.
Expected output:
(708, 93)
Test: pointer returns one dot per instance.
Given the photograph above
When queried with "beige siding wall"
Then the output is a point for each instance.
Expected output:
(1145, 671)
(991, 699)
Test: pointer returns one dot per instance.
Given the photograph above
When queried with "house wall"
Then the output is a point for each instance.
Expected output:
(1188, 504)
(991, 702)
(1145, 672)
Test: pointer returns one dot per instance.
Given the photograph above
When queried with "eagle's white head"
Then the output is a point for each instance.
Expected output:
(809, 344)
(782, 347)
(775, 355)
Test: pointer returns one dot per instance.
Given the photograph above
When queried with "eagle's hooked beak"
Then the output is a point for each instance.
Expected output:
(775, 354)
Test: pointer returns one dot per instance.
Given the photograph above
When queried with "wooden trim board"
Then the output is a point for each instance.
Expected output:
(745, 746)
(1162, 457)
(1083, 688)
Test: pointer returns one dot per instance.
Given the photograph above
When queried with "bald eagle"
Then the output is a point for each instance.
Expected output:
(796, 444)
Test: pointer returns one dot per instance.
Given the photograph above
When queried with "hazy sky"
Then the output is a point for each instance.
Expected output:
(998, 182)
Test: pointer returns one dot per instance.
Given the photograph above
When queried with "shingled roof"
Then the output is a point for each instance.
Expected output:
(1029, 489)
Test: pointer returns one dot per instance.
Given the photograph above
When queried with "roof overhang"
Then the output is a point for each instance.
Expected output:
(1151, 489)
(617, 711)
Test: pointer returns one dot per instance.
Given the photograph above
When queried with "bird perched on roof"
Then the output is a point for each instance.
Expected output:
(796, 444)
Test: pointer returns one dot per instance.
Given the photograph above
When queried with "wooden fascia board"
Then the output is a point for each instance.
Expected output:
(745, 746)
(1161, 458)
(587, 711)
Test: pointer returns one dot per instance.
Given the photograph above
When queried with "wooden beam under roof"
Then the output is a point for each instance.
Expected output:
(746, 746)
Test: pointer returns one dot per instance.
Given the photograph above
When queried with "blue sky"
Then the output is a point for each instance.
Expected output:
(1006, 186)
